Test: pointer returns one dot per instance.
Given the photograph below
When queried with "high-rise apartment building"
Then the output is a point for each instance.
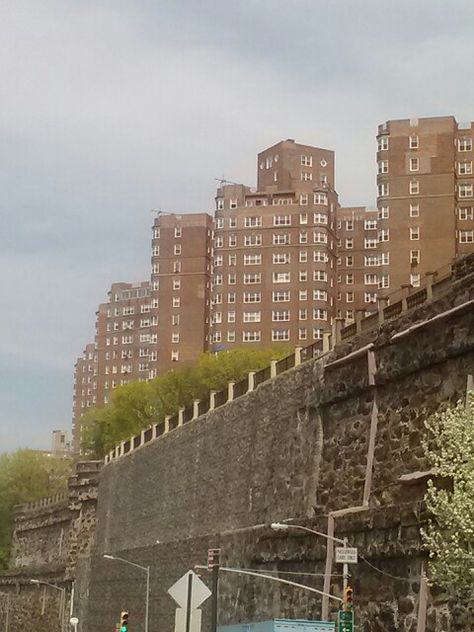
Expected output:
(358, 262)
(274, 263)
(85, 390)
(425, 196)
(181, 286)
(126, 339)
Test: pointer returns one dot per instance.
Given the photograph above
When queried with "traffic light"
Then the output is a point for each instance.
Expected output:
(348, 601)
(123, 621)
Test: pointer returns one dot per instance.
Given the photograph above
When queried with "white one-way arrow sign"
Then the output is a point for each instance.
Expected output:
(189, 583)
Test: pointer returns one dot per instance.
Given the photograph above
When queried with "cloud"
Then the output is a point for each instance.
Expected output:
(111, 108)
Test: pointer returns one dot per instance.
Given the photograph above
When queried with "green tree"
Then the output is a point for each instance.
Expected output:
(449, 536)
(26, 476)
(137, 405)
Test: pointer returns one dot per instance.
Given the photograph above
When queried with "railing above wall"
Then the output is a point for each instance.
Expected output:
(434, 285)
(49, 501)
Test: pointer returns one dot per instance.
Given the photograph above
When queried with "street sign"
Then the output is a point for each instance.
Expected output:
(345, 621)
(199, 591)
(73, 620)
(194, 623)
(346, 555)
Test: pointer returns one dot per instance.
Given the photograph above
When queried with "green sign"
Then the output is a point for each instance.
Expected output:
(345, 621)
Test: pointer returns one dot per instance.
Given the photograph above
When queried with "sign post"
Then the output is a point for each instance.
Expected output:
(189, 592)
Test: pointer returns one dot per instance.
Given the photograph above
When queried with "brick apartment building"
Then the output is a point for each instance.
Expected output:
(279, 262)
(181, 286)
(358, 261)
(425, 196)
(274, 263)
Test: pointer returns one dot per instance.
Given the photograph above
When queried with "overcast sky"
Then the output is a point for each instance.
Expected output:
(109, 109)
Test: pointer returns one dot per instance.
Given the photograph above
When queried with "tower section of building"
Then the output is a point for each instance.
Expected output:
(358, 262)
(126, 339)
(274, 264)
(180, 286)
(425, 196)
(85, 390)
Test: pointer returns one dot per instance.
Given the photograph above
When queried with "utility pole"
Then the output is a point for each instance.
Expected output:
(213, 564)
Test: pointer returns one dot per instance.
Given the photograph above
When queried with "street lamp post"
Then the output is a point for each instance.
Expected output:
(146, 569)
(283, 526)
(62, 602)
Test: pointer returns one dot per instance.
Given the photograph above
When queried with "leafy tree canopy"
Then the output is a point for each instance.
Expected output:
(449, 536)
(25, 476)
(137, 405)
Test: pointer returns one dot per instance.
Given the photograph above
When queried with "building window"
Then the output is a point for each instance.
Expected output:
(349, 243)
(303, 256)
(320, 198)
(415, 233)
(306, 161)
(177, 249)
(466, 212)
(175, 356)
(414, 210)
(252, 297)
(175, 319)
(306, 176)
(382, 143)
(303, 237)
(232, 260)
(232, 278)
(303, 314)
(303, 202)
(232, 241)
(466, 236)
(177, 231)
(219, 241)
(252, 317)
(465, 144)
(281, 277)
(370, 243)
(233, 203)
(415, 280)
(176, 301)
(320, 295)
(384, 235)
(370, 224)
(382, 166)
(232, 222)
(175, 336)
(465, 190)
(176, 284)
(281, 240)
(320, 275)
(414, 164)
(303, 295)
(415, 257)
(282, 220)
(384, 281)
(414, 142)
(320, 218)
(251, 336)
(414, 187)
(370, 279)
(231, 336)
(252, 260)
(302, 333)
(349, 261)
(384, 259)
(280, 315)
(383, 189)
(281, 257)
(231, 317)
(320, 238)
(251, 278)
(231, 297)
(253, 222)
(253, 240)
(218, 261)
(383, 212)
(320, 257)
(156, 233)
(281, 296)
(320, 314)
(279, 335)
(349, 297)
(465, 168)
(370, 297)
(303, 276)
(219, 222)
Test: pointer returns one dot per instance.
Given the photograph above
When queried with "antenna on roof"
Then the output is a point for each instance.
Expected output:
(224, 181)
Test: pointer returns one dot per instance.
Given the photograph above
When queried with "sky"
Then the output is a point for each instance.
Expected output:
(109, 109)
